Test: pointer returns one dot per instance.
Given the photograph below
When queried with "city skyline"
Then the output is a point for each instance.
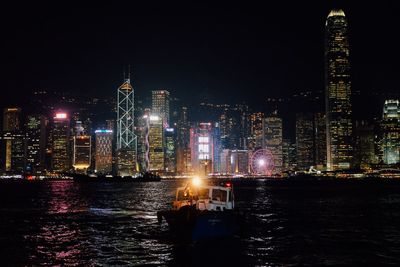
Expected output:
(163, 133)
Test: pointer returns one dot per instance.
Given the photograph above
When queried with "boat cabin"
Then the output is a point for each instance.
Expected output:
(215, 198)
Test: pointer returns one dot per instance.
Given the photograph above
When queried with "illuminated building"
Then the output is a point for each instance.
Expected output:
(170, 150)
(272, 129)
(35, 142)
(229, 128)
(155, 143)
(338, 92)
(391, 109)
(183, 155)
(390, 127)
(12, 141)
(60, 138)
(289, 155)
(239, 160)
(225, 158)
(126, 138)
(82, 152)
(142, 143)
(217, 146)
(160, 105)
(255, 139)
(13, 152)
(305, 140)
(202, 148)
(364, 147)
(104, 145)
(320, 140)
(12, 119)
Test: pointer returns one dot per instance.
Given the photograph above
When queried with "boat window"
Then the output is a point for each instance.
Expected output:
(203, 193)
(219, 195)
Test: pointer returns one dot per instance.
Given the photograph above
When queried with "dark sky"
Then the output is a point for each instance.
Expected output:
(220, 52)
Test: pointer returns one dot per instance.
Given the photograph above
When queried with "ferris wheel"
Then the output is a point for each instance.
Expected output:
(262, 162)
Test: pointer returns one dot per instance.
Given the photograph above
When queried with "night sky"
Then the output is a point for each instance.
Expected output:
(215, 52)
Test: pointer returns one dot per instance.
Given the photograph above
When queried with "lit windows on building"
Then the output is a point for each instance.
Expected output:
(104, 145)
(202, 148)
(126, 138)
(155, 143)
(60, 148)
(82, 154)
(338, 92)
(390, 127)
(170, 150)
(272, 131)
(160, 105)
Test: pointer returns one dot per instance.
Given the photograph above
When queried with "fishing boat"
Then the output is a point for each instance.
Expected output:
(202, 211)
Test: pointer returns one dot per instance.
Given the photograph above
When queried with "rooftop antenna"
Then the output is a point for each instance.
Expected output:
(129, 72)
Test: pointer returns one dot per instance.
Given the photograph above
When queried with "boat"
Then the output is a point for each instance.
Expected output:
(202, 211)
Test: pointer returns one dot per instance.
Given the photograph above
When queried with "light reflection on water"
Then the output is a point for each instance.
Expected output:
(67, 223)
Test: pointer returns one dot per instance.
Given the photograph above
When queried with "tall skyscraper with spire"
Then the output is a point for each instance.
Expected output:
(338, 92)
(126, 138)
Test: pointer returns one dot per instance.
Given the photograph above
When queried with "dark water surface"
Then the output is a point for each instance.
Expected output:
(288, 223)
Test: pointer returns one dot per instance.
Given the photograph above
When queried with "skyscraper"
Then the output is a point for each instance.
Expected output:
(272, 129)
(305, 140)
(12, 119)
(104, 144)
(364, 145)
(320, 140)
(202, 148)
(255, 140)
(82, 153)
(337, 92)
(60, 149)
(13, 154)
(183, 155)
(390, 128)
(35, 142)
(155, 143)
(160, 105)
(170, 150)
(239, 161)
(126, 138)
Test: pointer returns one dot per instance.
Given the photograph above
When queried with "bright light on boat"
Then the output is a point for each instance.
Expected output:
(196, 181)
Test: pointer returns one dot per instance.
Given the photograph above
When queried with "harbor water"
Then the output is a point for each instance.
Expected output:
(287, 223)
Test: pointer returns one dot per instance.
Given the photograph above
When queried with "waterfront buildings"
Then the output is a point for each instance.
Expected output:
(126, 138)
(104, 151)
(155, 143)
(338, 92)
(320, 140)
(35, 127)
(390, 127)
(364, 145)
(256, 136)
(60, 142)
(305, 140)
(202, 148)
(272, 129)
(183, 154)
(82, 153)
(239, 160)
(170, 150)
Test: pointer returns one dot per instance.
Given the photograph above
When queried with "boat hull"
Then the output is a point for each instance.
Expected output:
(194, 224)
